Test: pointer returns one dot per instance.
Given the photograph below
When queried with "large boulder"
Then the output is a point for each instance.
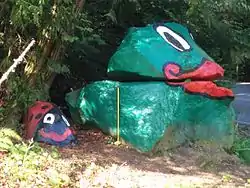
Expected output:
(167, 91)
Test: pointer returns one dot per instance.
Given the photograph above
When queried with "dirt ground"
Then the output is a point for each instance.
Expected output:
(123, 167)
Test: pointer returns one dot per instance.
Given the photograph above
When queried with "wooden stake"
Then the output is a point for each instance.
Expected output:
(118, 116)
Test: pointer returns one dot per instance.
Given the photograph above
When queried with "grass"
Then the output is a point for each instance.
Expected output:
(241, 146)
(30, 165)
(27, 164)
(35, 167)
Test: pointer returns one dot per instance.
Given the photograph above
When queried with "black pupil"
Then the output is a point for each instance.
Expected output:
(172, 40)
(45, 107)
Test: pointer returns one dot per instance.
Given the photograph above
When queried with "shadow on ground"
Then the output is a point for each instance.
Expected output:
(184, 161)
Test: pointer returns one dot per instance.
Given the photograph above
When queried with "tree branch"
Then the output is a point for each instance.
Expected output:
(80, 4)
(16, 62)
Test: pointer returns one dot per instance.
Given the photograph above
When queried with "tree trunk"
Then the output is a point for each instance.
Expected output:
(59, 50)
(56, 55)
(80, 4)
(39, 67)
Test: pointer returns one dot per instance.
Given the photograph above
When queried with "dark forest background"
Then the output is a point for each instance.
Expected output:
(76, 38)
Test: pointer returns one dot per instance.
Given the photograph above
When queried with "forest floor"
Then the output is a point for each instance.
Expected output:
(94, 162)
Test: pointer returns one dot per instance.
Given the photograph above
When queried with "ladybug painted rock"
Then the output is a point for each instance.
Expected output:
(44, 122)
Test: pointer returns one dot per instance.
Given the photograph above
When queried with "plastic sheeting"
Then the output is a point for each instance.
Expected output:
(148, 109)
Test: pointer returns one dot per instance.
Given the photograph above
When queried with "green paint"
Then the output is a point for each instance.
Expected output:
(148, 109)
(144, 51)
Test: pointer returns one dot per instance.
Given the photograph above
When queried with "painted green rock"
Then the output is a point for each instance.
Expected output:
(167, 91)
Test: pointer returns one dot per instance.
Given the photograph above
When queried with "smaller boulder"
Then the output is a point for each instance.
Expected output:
(44, 122)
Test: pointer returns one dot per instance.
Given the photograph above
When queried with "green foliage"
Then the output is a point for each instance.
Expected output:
(27, 12)
(58, 68)
(119, 16)
(8, 138)
(23, 95)
(54, 25)
(56, 20)
(241, 147)
(223, 29)
(27, 164)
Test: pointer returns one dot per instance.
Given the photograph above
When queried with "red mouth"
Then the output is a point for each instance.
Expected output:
(55, 136)
(200, 79)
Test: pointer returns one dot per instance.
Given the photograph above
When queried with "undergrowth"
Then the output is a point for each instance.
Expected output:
(241, 146)
(28, 164)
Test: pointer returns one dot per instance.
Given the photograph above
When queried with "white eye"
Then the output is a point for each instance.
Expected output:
(49, 118)
(66, 121)
(173, 38)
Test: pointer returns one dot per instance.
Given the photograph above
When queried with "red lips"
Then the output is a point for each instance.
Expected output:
(200, 79)
(56, 137)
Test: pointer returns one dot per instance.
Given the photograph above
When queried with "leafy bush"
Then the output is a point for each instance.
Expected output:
(28, 164)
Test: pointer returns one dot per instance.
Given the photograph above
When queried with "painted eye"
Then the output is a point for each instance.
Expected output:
(191, 36)
(66, 121)
(172, 38)
(49, 118)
